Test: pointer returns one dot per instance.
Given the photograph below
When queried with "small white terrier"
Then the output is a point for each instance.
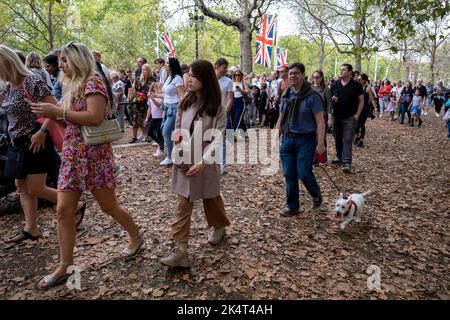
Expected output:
(351, 207)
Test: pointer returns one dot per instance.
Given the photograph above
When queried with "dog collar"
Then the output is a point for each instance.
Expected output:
(353, 203)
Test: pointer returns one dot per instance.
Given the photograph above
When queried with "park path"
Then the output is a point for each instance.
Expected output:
(404, 234)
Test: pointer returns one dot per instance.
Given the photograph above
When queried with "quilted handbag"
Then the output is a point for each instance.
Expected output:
(107, 131)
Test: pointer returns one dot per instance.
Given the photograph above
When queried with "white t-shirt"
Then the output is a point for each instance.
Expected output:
(226, 85)
(238, 93)
(397, 91)
(170, 89)
(274, 85)
(163, 75)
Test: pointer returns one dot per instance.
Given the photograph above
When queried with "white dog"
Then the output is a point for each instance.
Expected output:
(350, 208)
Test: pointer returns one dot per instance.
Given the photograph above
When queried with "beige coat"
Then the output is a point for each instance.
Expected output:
(207, 184)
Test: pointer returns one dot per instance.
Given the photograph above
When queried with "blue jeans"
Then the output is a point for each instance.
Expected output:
(168, 125)
(297, 156)
(403, 110)
(237, 111)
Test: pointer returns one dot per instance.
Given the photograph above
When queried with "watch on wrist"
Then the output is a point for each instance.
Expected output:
(43, 130)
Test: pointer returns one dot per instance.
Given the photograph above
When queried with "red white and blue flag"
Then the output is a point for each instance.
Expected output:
(281, 58)
(265, 38)
(167, 42)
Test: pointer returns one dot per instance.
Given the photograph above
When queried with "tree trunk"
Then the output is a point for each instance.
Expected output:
(433, 61)
(357, 62)
(357, 47)
(322, 49)
(400, 65)
(51, 40)
(246, 49)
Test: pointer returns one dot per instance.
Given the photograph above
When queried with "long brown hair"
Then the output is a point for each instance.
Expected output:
(204, 71)
(322, 82)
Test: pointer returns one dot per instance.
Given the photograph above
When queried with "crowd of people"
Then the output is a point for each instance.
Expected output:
(72, 88)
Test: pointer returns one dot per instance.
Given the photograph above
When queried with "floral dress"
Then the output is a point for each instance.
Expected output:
(85, 167)
(140, 108)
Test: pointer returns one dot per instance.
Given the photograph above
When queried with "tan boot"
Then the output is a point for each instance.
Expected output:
(177, 259)
(217, 236)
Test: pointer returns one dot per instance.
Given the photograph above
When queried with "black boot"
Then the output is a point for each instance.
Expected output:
(360, 143)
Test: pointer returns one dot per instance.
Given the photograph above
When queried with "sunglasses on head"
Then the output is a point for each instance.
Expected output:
(71, 44)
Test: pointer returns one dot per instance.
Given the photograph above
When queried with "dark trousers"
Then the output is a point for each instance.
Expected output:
(344, 130)
(237, 112)
(361, 127)
(403, 110)
(154, 132)
(296, 156)
(438, 105)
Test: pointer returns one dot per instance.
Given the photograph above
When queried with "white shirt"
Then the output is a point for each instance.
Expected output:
(170, 89)
(238, 93)
(398, 91)
(274, 85)
(226, 85)
(163, 75)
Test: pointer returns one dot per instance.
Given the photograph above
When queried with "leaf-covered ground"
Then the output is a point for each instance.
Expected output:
(405, 232)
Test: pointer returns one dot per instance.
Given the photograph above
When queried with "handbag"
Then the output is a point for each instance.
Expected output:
(56, 132)
(108, 131)
(15, 159)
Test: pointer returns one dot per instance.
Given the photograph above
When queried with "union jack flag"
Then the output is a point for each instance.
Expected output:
(167, 42)
(265, 37)
(281, 58)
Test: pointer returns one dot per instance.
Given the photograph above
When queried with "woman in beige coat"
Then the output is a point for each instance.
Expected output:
(199, 128)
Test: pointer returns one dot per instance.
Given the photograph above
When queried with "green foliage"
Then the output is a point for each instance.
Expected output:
(403, 16)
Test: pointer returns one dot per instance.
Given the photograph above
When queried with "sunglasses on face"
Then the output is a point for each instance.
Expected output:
(238, 75)
(316, 77)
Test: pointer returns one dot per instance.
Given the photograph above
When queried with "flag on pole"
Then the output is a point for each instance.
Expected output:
(265, 37)
(167, 42)
(281, 58)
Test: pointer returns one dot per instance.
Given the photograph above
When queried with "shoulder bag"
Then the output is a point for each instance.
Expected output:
(108, 131)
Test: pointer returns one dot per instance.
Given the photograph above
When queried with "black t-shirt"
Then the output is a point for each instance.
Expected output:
(127, 84)
(348, 98)
(422, 90)
(263, 100)
(447, 94)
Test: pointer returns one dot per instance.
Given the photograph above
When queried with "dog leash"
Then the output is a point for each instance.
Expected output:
(323, 169)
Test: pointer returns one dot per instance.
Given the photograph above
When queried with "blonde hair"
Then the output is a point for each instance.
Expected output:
(155, 85)
(33, 61)
(82, 63)
(12, 70)
(150, 73)
(115, 74)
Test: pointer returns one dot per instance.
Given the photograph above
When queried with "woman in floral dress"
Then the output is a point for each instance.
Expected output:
(83, 167)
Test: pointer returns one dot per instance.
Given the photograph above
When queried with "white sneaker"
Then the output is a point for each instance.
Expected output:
(141, 138)
(436, 114)
(159, 153)
(154, 144)
(166, 162)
